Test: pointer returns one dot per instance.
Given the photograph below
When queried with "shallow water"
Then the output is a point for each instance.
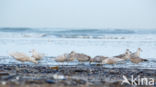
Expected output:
(49, 61)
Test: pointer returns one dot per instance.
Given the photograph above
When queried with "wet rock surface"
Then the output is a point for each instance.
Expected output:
(22, 75)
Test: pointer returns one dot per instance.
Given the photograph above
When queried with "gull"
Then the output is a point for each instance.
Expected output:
(111, 60)
(124, 56)
(61, 58)
(79, 56)
(137, 53)
(36, 55)
(22, 57)
(137, 60)
(66, 57)
(82, 57)
(135, 57)
(98, 59)
(70, 56)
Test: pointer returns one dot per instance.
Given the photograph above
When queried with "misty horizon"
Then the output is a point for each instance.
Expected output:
(101, 14)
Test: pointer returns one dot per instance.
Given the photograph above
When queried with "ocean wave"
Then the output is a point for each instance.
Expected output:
(15, 29)
(94, 32)
(69, 33)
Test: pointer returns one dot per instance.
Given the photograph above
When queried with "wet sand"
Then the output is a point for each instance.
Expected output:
(23, 75)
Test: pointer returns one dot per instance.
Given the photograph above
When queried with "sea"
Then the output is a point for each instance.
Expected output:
(93, 42)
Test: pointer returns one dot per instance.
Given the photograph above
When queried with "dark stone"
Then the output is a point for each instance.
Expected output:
(50, 81)
(3, 73)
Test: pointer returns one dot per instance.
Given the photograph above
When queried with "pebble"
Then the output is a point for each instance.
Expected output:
(3, 83)
(80, 75)
(50, 81)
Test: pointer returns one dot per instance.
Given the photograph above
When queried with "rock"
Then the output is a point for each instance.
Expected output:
(50, 81)
(55, 68)
(3, 82)
(9, 77)
(3, 73)
(82, 82)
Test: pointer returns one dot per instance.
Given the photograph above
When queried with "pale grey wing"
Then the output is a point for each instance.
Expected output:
(96, 59)
(99, 58)
(133, 55)
(120, 56)
(83, 57)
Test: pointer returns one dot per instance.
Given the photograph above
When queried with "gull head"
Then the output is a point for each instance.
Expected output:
(139, 49)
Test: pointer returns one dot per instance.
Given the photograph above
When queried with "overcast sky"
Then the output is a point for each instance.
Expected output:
(78, 13)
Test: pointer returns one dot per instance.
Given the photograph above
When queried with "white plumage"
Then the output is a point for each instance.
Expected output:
(22, 57)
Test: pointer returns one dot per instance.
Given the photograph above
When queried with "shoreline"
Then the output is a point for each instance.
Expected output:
(23, 75)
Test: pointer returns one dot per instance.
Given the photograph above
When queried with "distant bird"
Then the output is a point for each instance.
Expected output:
(136, 54)
(135, 57)
(83, 58)
(66, 57)
(37, 55)
(111, 60)
(137, 60)
(70, 56)
(61, 58)
(98, 59)
(124, 56)
(22, 57)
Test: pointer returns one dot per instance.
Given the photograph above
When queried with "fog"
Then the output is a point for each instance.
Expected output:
(125, 14)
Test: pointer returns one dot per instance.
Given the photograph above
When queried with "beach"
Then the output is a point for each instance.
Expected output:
(22, 75)
(53, 43)
(78, 43)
